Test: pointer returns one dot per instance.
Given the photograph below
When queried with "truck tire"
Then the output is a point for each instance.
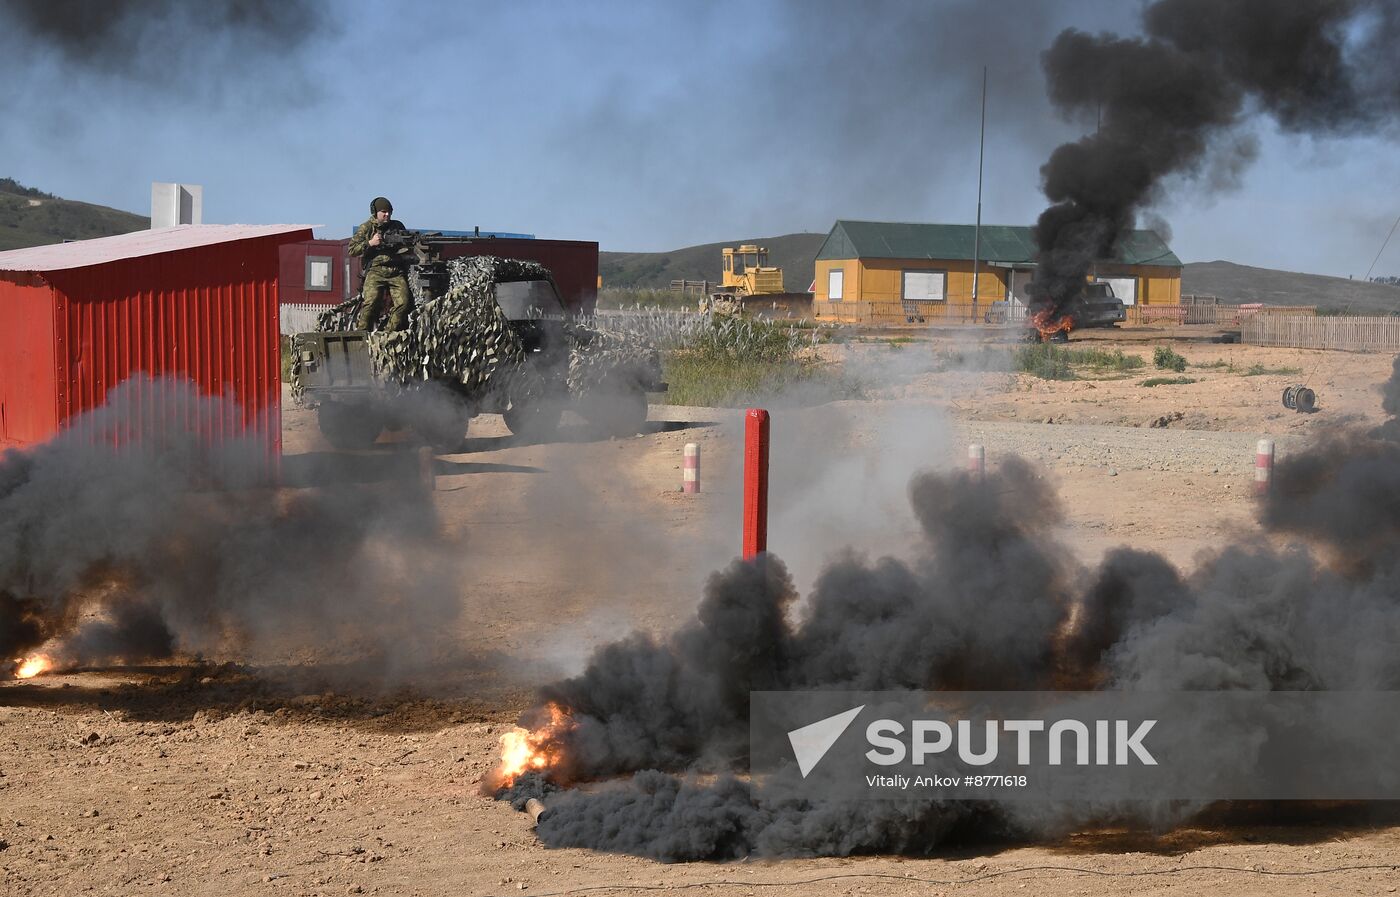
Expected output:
(618, 411)
(349, 426)
(442, 424)
(536, 420)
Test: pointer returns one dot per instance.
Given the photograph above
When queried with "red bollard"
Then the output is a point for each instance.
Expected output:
(755, 483)
(690, 475)
(1264, 467)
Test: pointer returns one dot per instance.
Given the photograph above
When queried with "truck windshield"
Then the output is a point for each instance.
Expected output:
(522, 299)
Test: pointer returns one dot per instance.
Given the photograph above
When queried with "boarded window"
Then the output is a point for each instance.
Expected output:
(318, 273)
(925, 286)
(1124, 288)
(835, 284)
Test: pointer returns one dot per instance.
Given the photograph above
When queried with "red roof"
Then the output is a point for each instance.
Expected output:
(82, 253)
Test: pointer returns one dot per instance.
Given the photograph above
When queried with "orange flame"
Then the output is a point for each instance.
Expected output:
(532, 750)
(1048, 325)
(29, 667)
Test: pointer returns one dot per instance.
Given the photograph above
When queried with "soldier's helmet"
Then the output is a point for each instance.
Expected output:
(380, 204)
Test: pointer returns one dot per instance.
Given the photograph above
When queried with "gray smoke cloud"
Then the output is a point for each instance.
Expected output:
(989, 602)
(72, 59)
(132, 536)
(1171, 104)
(881, 99)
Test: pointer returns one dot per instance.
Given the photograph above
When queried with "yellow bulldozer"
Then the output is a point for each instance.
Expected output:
(747, 282)
(746, 272)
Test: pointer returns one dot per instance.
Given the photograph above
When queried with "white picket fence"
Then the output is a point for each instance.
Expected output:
(299, 317)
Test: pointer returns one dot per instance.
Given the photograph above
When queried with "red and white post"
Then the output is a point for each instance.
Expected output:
(977, 460)
(1264, 467)
(690, 472)
(755, 483)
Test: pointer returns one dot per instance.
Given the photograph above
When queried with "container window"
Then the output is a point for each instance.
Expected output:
(835, 284)
(925, 286)
(318, 273)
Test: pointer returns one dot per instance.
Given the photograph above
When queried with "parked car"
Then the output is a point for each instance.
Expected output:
(1096, 306)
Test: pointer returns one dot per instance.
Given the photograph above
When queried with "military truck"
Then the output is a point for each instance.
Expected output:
(487, 335)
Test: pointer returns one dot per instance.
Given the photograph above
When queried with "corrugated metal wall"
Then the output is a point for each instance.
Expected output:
(28, 412)
(208, 315)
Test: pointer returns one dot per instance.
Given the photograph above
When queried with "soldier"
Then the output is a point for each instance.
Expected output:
(383, 267)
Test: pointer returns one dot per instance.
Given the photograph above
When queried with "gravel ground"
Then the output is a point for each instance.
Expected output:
(1126, 448)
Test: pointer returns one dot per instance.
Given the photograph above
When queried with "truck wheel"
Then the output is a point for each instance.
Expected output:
(348, 427)
(443, 435)
(442, 424)
(620, 411)
(537, 420)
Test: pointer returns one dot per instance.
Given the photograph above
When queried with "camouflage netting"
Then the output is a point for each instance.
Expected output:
(464, 337)
(598, 356)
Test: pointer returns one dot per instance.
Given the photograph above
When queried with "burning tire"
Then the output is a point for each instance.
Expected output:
(348, 426)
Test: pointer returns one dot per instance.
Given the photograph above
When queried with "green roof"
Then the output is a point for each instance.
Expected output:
(1000, 244)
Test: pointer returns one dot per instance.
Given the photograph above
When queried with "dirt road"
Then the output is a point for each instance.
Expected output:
(315, 776)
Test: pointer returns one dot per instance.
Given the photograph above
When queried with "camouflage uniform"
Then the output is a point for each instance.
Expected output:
(383, 268)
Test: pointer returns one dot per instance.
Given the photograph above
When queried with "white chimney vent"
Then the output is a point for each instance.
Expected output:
(173, 204)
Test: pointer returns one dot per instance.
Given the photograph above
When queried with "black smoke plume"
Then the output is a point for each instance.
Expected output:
(124, 37)
(991, 602)
(1170, 103)
(133, 536)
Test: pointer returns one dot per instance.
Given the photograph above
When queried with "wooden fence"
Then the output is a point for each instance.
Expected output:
(910, 312)
(1347, 333)
(694, 287)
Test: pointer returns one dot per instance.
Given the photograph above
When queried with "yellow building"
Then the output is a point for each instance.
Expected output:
(881, 272)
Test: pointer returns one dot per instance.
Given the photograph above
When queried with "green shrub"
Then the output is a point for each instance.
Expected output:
(1163, 357)
(1102, 358)
(1256, 370)
(1167, 381)
(1051, 362)
(1045, 360)
(729, 361)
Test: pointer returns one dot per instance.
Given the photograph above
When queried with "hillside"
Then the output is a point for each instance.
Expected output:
(30, 217)
(795, 253)
(1240, 283)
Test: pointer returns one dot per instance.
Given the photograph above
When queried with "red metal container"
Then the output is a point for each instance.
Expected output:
(313, 271)
(195, 302)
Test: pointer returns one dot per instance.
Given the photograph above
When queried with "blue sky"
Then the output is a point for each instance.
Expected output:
(644, 126)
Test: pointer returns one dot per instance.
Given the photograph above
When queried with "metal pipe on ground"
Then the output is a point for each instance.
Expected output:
(536, 808)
